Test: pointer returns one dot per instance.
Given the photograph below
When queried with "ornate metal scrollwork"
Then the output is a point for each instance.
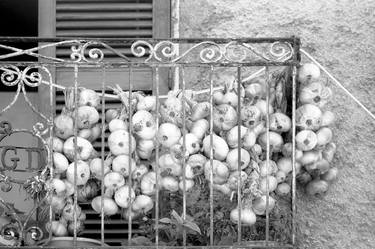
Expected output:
(211, 52)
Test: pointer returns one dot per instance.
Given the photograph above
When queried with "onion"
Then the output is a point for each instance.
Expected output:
(118, 143)
(232, 136)
(57, 186)
(87, 117)
(232, 159)
(96, 168)
(57, 144)
(220, 171)
(280, 176)
(69, 188)
(280, 122)
(276, 141)
(251, 116)
(287, 151)
(260, 204)
(285, 164)
(200, 128)
(262, 106)
(83, 152)
(254, 92)
(267, 169)
(218, 97)
(200, 111)
(142, 203)
(189, 184)
(310, 157)
(324, 136)
(230, 98)
(83, 172)
(169, 183)
(88, 97)
(109, 205)
(68, 211)
(220, 147)
(60, 162)
(223, 188)
(168, 134)
(139, 171)
(121, 165)
(197, 162)
(225, 117)
(147, 103)
(315, 93)
(170, 165)
(122, 197)
(57, 228)
(248, 217)
(308, 117)
(111, 114)
(144, 125)
(234, 179)
(317, 187)
(330, 175)
(57, 203)
(329, 152)
(145, 148)
(283, 189)
(113, 180)
(272, 184)
(148, 183)
(308, 72)
(306, 140)
(64, 126)
(249, 139)
(117, 124)
(191, 143)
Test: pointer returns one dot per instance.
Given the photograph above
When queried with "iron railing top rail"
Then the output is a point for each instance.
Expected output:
(292, 39)
(157, 52)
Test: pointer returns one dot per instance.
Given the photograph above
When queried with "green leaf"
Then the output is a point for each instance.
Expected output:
(166, 220)
(177, 217)
(192, 226)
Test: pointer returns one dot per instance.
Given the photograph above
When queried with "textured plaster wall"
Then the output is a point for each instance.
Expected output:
(341, 35)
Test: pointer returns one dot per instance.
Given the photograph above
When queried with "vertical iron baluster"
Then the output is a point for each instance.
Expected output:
(239, 182)
(294, 89)
(211, 158)
(130, 154)
(157, 159)
(50, 145)
(102, 147)
(268, 153)
(183, 153)
(75, 154)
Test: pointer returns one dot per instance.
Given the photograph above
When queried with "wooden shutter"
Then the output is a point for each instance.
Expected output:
(105, 19)
(111, 19)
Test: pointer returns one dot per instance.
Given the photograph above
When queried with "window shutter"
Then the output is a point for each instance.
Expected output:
(140, 19)
(109, 19)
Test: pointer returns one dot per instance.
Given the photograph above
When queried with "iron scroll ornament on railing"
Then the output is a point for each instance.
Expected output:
(165, 51)
(18, 229)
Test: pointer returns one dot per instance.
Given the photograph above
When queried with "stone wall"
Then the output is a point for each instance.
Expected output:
(341, 35)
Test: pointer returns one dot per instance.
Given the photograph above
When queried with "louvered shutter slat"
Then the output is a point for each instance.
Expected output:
(100, 7)
(105, 33)
(118, 24)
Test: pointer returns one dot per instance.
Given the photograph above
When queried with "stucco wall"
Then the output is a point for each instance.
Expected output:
(341, 35)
